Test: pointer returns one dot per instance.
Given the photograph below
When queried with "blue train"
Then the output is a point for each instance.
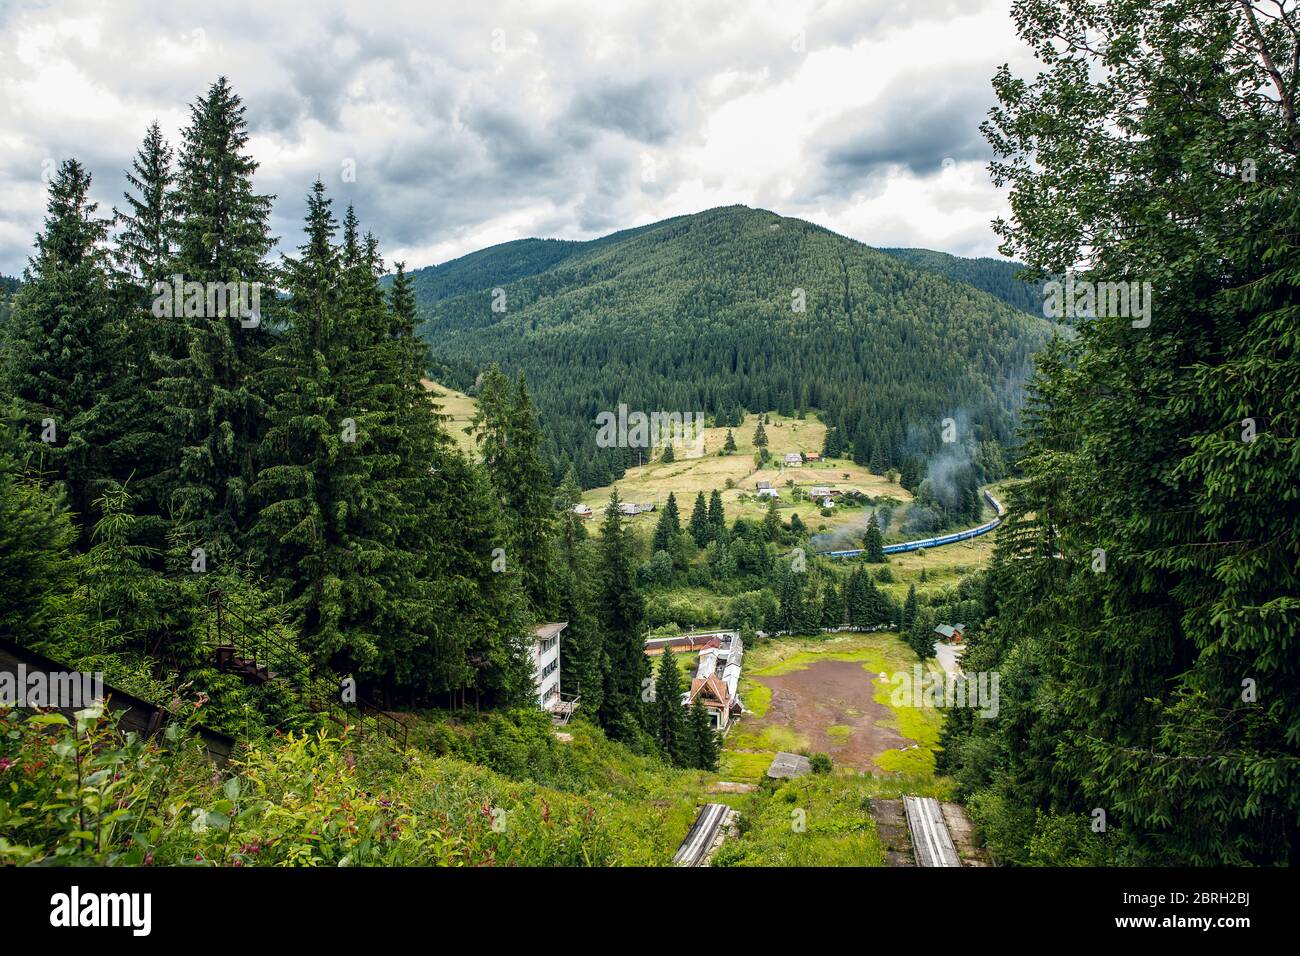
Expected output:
(938, 542)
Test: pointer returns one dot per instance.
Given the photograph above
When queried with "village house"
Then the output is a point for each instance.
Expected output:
(717, 672)
(763, 486)
(581, 510)
(628, 509)
(954, 632)
(794, 460)
(813, 456)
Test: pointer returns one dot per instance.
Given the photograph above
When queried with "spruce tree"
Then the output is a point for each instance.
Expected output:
(790, 603)
(622, 613)
(909, 609)
(760, 436)
(669, 714)
(222, 237)
(145, 250)
(857, 599)
(832, 605)
(699, 523)
(70, 358)
(772, 530)
(729, 445)
(704, 739)
(146, 229)
(717, 516)
(667, 528)
(314, 484)
(38, 571)
(873, 542)
(581, 645)
(510, 439)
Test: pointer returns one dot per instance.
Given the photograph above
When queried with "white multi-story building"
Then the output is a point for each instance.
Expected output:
(546, 664)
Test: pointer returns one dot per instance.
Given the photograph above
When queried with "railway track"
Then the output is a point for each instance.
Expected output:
(695, 848)
(931, 842)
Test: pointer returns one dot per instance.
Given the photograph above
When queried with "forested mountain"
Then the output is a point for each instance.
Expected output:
(997, 277)
(731, 309)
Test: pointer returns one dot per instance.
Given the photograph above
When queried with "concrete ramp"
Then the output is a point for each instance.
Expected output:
(931, 840)
(704, 834)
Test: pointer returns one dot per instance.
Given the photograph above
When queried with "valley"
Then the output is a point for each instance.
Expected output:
(666, 438)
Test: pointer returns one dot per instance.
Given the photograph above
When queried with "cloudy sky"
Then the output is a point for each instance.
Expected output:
(455, 125)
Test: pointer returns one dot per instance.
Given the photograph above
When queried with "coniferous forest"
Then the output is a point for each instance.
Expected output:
(728, 311)
(327, 521)
(291, 458)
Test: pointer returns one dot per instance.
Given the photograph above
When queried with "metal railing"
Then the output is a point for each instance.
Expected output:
(250, 647)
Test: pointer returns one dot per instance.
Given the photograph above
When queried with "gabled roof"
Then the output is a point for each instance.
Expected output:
(716, 690)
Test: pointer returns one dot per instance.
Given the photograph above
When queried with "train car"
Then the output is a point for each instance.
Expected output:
(936, 542)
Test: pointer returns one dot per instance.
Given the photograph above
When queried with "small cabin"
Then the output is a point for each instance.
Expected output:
(951, 632)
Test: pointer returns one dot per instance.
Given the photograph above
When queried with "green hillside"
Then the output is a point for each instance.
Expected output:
(701, 313)
(997, 277)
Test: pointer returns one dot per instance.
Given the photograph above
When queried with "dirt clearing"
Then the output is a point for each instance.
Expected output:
(829, 703)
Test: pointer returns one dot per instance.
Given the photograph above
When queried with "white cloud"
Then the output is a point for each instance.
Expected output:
(479, 123)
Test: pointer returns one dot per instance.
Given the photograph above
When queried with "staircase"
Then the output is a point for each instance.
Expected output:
(250, 650)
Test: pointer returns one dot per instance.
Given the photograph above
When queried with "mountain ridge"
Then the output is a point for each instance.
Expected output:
(535, 254)
(731, 309)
